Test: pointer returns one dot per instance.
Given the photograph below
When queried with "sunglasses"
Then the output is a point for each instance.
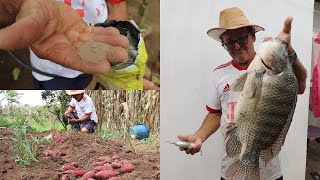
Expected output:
(242, 41)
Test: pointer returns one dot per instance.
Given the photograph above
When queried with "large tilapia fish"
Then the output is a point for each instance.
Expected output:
(264, 110)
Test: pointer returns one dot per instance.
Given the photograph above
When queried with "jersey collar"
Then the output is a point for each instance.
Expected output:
(237, 66)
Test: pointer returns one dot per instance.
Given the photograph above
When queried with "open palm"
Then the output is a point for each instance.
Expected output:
(55, 31)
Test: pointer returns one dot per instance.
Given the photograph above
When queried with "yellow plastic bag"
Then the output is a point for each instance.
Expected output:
(127, 76)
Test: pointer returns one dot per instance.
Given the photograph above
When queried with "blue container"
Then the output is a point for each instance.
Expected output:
(139, 131)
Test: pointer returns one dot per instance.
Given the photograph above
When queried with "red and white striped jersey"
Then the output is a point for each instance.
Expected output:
(223, 100)
(85, 106)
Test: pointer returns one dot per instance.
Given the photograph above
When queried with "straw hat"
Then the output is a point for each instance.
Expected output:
(231, 18)
(74, 92)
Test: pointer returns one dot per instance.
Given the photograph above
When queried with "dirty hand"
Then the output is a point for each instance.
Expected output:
(72, 119)
(68, 114)
(55, 31)
(285, 34)
(192, 139)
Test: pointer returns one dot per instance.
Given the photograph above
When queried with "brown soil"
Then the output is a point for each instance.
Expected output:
(82, 149)
(152, 41)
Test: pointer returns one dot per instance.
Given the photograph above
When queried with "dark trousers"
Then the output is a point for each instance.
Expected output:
(280, 178)
(88, 124)
(79, 82)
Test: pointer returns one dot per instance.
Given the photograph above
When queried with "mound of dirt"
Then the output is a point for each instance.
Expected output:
(80, 150)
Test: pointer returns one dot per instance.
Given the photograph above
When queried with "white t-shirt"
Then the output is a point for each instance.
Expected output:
(91, 12)
(222, 99)
(85, 106)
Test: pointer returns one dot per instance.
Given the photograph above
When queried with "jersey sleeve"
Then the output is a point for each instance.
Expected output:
(72, 103)
(89, 107)
(213, 102)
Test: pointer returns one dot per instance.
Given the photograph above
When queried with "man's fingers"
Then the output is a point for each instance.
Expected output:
(148, 85)
(117, 55)
(68, 56)
(115, 40)
(20, 34)
(103, 31)
(183, 137)
(287, 25)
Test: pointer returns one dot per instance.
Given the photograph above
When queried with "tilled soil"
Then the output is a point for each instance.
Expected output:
(81, 150)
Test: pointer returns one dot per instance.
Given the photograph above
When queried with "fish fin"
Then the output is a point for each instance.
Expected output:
(257, 83)
(233, 145)
(257, 86)
(238, 171)
(272, 151)
(239, 83)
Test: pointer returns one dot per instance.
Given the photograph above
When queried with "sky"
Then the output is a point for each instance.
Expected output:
(30, 97)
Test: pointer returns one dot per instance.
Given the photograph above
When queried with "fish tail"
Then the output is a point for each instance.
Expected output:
(239, 171)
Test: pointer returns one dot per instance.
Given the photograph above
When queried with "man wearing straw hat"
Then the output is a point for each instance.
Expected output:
(237, 36)
(85, 112)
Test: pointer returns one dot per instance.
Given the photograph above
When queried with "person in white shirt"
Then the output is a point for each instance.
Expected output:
(237, 36)
(81, 111)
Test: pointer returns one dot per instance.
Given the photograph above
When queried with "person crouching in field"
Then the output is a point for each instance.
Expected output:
(81, 112)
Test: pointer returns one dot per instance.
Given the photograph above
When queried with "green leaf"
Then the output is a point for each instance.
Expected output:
(16, 73)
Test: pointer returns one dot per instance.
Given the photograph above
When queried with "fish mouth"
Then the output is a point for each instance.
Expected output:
(265, 64)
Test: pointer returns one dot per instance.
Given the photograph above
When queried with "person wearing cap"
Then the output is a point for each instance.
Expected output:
(237, 36)
(85, 112)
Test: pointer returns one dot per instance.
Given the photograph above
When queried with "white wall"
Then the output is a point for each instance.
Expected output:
(187, 57)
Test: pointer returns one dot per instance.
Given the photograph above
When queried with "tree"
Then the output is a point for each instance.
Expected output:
(12, 96)
(57, 103)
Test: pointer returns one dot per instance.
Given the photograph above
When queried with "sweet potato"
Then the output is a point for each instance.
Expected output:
(68, 167)
(87, 175)
(126, 168)
(106, 174)
(109, 166)
(124, 161)
(79, 172)
(57, 139)
(115, 157)
(106, 161)
(100, 168)
(98, 163)
(61, 154)
(116, 165)
(64, 177)
(49, 152)
(104, 158)
(127, 150)
(70, 171)
(63, 140)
